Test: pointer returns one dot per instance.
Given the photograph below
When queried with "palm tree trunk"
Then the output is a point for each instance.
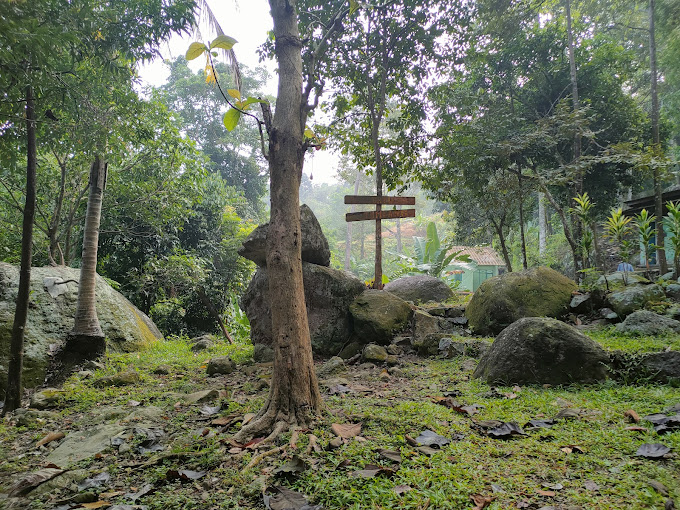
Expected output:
(16, 354)
(86, 340)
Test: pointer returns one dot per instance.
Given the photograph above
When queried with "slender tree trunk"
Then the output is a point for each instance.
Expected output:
(574, 94)
(294, 397)
(16, 349)
(565, 225)
(348, 237)
(399, 246)
(521, 220)
(53, 227)
(656, 140)
(86, 340)
(213, 311)
(498, 227)
(599, 263)
(542, 226)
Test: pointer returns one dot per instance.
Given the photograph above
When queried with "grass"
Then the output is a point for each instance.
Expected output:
(391, 411)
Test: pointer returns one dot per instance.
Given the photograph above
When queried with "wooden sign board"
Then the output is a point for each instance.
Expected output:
(368, 199)
(380, 215)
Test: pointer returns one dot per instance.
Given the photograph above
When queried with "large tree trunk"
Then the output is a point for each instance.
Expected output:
(86, 340)
(16, 353)
(656, 140)
(294, 397)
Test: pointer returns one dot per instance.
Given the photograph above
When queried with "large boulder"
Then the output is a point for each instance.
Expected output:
(328, 295)
(540, 350)
(501, 300)
(51, 314)
(314, 243)
(634, 297)
(419, 289)
(619, 280)
(378, 315)
(646, 323)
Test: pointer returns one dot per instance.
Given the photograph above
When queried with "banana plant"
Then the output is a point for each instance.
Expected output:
(432, 258)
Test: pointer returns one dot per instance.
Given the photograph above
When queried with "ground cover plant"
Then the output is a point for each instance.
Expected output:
(367, 450)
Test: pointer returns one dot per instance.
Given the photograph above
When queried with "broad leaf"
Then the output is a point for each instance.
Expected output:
(231, 119)
(195, 50)
(353, 6)
(223, 42)
(234, 93)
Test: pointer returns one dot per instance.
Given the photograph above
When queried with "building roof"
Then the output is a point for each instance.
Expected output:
(480, 255)
(646, 201)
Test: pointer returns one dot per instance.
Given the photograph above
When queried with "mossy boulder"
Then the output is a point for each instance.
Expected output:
(634, 297)
(378, 315)
(504, 299)
(619, 280)
(420, 289)
(51, 314)
(540, 350)
(646, 323)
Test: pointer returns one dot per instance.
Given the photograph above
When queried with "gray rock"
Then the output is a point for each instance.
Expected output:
(609, 314)
(503, 299)
(378, 315)
(314, 244)
(262, 353)
(202, 345)
(374, 352)
(222, 365)
(328, 295)
(44, 399)
(394, 349)
(668, 276)
(424, 325)
(673, 291)
(201, 396)
(332, 367)
(162, 370)
(619, 280)
(581, 303)
(662, 366)
(419, 289)
(31, 417)
(646, 323)
(537, 350)
(51, 319)
(120, 379)
(350, 350)
(83, 444)
(634, 297)
(673, 312)
(144, 415)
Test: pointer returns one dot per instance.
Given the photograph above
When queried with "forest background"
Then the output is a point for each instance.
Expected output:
(479, 123)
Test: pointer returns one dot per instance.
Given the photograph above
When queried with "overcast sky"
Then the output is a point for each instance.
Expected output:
(248, 21)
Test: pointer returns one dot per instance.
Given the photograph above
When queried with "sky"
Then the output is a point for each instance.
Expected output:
(248, 21)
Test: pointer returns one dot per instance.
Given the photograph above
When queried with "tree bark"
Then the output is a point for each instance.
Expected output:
(574, 94)
(542, 225)
(86, 340)
(348, 237)
(16, 353)
(656, 140)
(521, 220)
(294, 397)
(504, 249)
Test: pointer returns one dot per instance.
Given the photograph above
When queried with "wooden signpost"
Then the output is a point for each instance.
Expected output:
(378, 215)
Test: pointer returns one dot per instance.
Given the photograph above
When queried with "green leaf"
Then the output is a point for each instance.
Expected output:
(353, 6)
(234, 93)
(231, 119)
(223, 42)
(195, 50)
(252, 100)
(309, 133)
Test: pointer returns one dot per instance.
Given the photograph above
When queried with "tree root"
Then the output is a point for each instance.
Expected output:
(259, 458)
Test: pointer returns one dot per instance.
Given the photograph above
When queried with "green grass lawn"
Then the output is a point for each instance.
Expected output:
(587, 462)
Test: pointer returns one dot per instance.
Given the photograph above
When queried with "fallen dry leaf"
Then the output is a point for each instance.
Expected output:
(346, 430)
(96, 504)
(659, 487)
(480, 501)
(402, 489)
(52, 436)
(545, 493)
(572, 448)
(632, 416)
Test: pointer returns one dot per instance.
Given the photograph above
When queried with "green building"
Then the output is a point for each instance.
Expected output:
(485, 263)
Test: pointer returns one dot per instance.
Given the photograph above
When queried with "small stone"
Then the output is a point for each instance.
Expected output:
(250, 370)
(162, 370)
(384, 376)
(202, 345)
(395, 372)
(374, 352)
(221, 365)
(392, 360)
(335, 443)
(201, 396)
(46, 398)
(85, 374)
(334, 366)
(120, 379)
(350, 350)
(394, 349)
(31, 417)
